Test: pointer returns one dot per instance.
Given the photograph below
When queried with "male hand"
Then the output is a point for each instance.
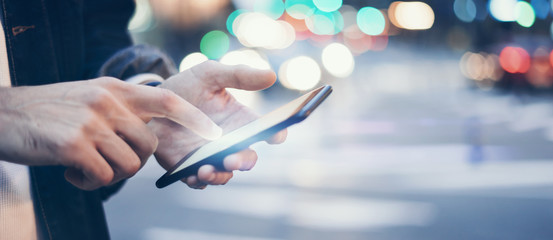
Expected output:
(204, 87)
(96, 128)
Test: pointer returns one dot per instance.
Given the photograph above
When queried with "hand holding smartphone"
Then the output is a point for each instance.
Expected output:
(263, 128)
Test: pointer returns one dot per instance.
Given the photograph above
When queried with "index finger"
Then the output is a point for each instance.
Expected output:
(218, 76)
(148, 102)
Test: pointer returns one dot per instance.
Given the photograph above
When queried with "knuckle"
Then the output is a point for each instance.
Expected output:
(105, 178)
(147, 144)
(133, 167)
(100, 98)
(109, 81)
(130, 167)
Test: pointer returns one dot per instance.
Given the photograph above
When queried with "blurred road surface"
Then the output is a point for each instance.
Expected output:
(401, 150)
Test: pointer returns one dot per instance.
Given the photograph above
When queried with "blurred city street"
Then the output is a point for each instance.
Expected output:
(404, 148)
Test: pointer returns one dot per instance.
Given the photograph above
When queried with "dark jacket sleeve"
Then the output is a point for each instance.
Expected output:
(105, 31)
(138, 59)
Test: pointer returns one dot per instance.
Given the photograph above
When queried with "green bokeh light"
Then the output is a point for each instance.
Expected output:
(325, 23)
(231, 18)
(214, 44)
(338, 22)
(328, 5)
(272, 8)
(371, 21)
(300, 9)
(525, 15)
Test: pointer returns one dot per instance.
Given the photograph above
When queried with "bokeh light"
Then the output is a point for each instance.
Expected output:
(298, 24)
(392, 13)
(325, 23)
(540, 74)
(142, 19)
(471, 65)
(338, 60)
(214, 44)
(349, 14)
(300, 9)
(338, 22)
(192, 60)
(412, 15)
(371, 21)
(246, 57)
(503, 10)
(465, 10)
(541, 7)
(259, 30)
(272, 8)
(514, 60)
(493, 70)
(379, 43)
(286, 35)
(357, 41)
(481, 9)
(480, 66)
(231, 18)
(328, 5)
(300, 73)
(524, 14)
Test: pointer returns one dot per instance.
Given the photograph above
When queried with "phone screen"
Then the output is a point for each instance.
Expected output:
(247, 131)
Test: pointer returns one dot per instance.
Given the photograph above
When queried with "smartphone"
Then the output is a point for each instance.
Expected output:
(261, 129)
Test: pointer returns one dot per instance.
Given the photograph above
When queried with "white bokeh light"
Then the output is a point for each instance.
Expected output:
(259, 30)
(300, 73)
(503, 10)
(414, 15)
(287, 35)
(192, 60)
(338, 60)
(143, 17)
(246, 57)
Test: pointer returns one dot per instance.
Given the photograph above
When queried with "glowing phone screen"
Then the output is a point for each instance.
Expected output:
(249, 130)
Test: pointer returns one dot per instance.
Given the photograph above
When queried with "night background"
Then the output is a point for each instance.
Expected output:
(440, 125)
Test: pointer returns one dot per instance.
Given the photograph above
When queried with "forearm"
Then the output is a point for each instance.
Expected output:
(13, 97)
(10, 132)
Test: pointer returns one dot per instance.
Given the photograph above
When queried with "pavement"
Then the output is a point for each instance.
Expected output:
(403, 149)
